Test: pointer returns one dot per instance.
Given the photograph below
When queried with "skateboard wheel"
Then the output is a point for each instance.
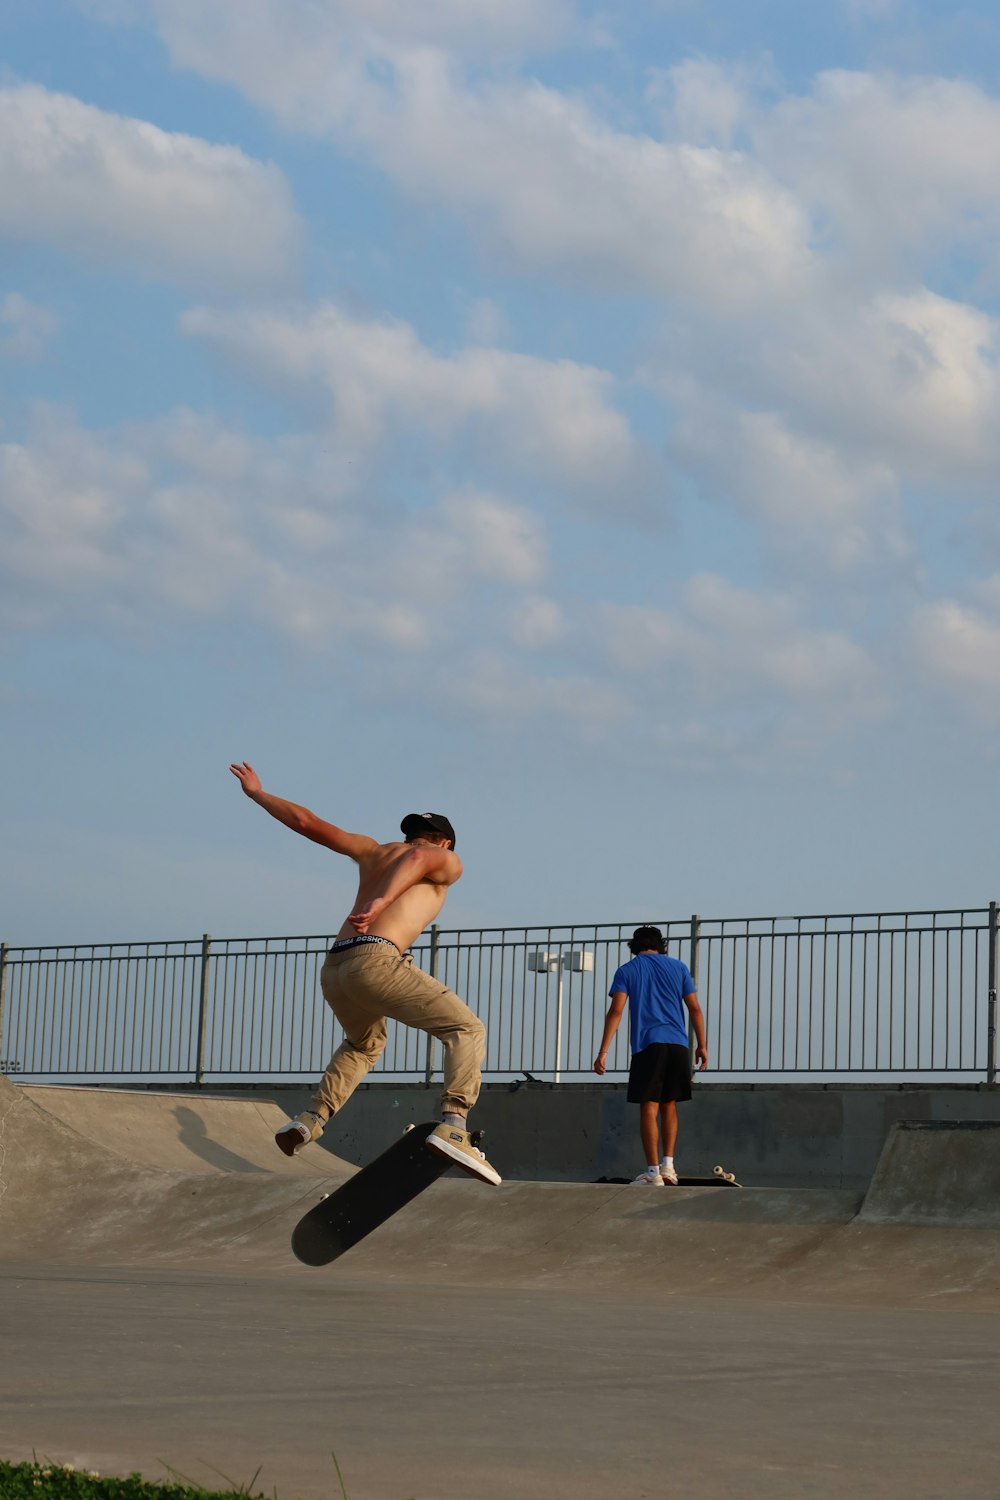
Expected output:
(718, 1171)
(322, 1196)
(730, 1176)
(407, 1128)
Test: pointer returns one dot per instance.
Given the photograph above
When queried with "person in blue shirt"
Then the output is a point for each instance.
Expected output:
(656, 989)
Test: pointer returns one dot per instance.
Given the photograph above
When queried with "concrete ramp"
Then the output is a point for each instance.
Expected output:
(781, 1245)
(178, 1132)
(105, 1195)
(942, 1173)
(130, 1179)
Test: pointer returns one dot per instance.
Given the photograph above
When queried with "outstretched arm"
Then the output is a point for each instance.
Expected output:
(419, 862)
(611, 1023)
(300, 819)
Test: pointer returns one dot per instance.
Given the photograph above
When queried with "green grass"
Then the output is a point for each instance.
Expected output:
(47, 1481)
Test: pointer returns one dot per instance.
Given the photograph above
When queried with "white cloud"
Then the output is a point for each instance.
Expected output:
(63, 499)
(818, 503)
(737, 646)
(185, 518)
(533, 169)
(821, 423)
(561, 190)
(704, 102)
(538, 623)
(872, 165)
(958, 645)
(123, 191)
(892, 164)
(491, 685)
(498, 540)
(318, 38)
(549, 419)
(908, 379)
(25, 328)
(98, 525)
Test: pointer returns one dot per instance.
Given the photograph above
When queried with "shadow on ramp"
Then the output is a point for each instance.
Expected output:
(66, 1196)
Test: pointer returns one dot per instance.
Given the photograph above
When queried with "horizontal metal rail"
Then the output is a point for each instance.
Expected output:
(884, 995)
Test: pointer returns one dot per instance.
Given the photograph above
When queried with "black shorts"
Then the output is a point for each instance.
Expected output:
(661, 1072)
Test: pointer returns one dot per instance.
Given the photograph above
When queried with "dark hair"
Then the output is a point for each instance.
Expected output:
(645, 938)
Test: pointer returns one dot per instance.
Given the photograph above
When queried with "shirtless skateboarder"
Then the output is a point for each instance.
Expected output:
(369, 975)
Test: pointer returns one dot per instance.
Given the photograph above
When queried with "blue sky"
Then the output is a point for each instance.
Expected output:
(579, 419)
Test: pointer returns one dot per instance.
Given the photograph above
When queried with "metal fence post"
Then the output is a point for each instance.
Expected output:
(3, 989)
(560, 971)
(432, 966)
(991, 1015)
(695, 940)
(693, 966)
(206, 953)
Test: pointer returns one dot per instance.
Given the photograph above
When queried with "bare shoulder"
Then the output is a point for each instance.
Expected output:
(375, 855)
(440, 866)
(452, 867)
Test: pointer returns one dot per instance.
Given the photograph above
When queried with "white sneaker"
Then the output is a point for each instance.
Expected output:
(668, 1175)
(650, 1178)
(460, 1147)
(298, 1132)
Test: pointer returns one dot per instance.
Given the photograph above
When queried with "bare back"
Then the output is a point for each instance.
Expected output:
(409, 913)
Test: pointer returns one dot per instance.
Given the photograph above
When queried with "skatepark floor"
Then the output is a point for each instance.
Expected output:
(571, 1341)
(435, 1393)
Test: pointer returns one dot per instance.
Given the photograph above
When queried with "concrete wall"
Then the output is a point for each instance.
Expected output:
(781, 1135)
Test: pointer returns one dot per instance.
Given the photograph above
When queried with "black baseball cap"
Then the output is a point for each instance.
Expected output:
(427, 823)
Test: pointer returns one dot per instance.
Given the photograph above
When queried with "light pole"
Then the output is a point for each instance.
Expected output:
(557, 961)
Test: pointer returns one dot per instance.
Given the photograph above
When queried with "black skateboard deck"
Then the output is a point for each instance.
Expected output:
(368, 1198)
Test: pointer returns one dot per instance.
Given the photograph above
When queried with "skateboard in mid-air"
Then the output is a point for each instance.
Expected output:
(337, 1222)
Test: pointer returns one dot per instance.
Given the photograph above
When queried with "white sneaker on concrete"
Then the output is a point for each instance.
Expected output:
(650, 1178)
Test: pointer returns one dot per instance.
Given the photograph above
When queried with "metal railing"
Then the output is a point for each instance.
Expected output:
(888, 995)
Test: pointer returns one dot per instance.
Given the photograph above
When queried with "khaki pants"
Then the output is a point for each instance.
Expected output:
(364, 985)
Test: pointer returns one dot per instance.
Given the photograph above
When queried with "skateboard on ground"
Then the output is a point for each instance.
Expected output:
(366, 1200)
(725, 1176)
(719, 1178)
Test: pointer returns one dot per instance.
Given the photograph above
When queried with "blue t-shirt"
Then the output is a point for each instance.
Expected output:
(654, 984)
